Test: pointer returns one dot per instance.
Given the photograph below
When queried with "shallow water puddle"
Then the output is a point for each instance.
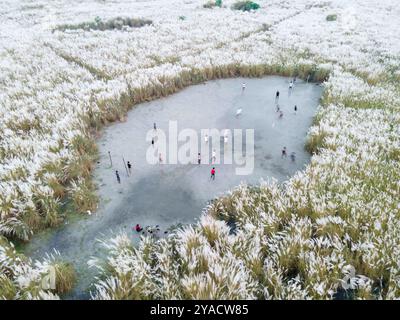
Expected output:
(168, 194)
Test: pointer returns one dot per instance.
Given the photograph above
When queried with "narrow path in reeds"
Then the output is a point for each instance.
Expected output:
(167, 194)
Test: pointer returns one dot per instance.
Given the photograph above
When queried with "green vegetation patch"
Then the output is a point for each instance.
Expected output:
(331, 17)
(117, 23)
(245, 6)
(211, 4)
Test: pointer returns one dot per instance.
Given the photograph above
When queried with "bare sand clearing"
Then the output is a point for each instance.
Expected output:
(167, 195)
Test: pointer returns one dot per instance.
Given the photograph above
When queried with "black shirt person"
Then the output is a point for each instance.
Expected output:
(118, 177)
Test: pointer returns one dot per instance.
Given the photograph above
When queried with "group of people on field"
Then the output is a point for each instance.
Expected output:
(206, 138)
(284, 152)
(154, 231)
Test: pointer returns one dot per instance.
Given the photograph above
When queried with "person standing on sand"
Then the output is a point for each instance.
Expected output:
(295, 109)
(214, 156)
(129, 167)
(118, 177)
(243, 86)
(293, 156)
(284, 153)
(212, 174)
(199, 158)
(277, 96)
(154, 126)
(152, 142)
